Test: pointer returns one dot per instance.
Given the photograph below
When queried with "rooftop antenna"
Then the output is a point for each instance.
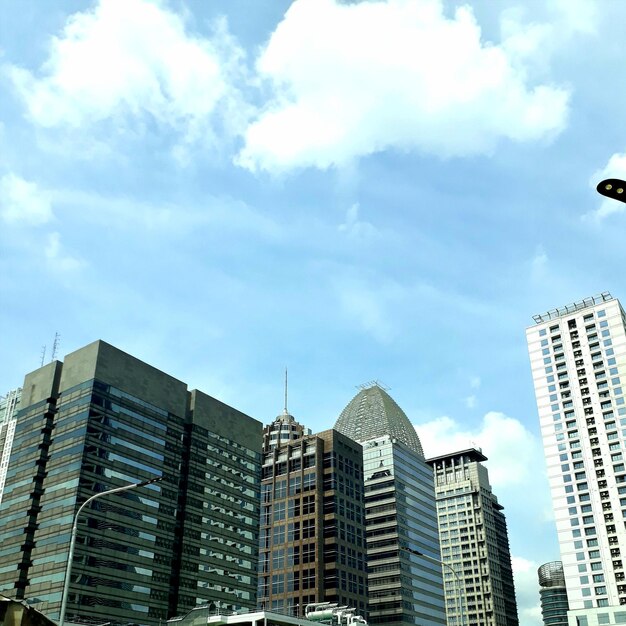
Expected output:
(55, 346)
(43, 355)
(373, 383)
(476, 446)
(286, 412)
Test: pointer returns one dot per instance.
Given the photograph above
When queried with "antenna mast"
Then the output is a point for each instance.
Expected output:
(55, 346)
(286, 412)
(43, 355)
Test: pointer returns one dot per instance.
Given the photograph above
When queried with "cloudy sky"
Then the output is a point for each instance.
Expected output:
(384, 189)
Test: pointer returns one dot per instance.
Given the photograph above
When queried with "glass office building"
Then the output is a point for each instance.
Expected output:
(553, 594)
(312, 536)
(400, 513)
(103, 419)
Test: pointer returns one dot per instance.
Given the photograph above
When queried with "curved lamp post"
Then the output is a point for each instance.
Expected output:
(456, 576)
(68, 571)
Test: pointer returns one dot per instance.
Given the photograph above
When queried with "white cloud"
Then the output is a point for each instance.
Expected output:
(354, 227)
(56, 257)
(615, 168)
(527, 591)
(530, 44)
(576, 16)
(475, 382)
(352, 79)
(538, 264)
(470, 401)
(22, 201)
(369, 306)
(133, 57)
(513, 451)
(177, 220)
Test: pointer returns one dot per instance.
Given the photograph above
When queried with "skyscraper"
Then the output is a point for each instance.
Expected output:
(401, 515)
(283, 429)
(553, 594)
(474, 542)
(103, 419)
(578, 361)
(312, 537)
(8, 409)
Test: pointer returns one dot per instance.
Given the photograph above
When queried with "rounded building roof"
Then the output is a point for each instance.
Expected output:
(373, 413)
(551, 574)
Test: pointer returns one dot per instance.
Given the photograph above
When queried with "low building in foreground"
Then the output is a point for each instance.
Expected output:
(320, 613)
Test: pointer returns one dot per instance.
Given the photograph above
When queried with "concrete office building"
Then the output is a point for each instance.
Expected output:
(102, 419)
(578, 361)
(404, 588)
(553, 594)
(312, 536)
(474, 542)
(8, 410)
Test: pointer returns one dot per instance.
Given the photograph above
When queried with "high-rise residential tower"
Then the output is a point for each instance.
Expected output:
(103, 419)
(8, 410)
(578, 361)
(554, 605)
(312, 536)
(474, 542)
(401, 515)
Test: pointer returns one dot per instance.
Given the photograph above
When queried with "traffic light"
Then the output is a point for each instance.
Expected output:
(613, 188)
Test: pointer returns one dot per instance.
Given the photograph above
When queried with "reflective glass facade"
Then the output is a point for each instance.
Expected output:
(400, 512)
(312, 538)
(104, 419)
(554, 604)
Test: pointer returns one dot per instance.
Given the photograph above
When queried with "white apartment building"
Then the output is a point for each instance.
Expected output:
(578, 361)
(8, 407)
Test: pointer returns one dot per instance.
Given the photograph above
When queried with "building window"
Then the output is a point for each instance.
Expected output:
(279, 534)
(278, 558)
(280, 489)
(279, 511)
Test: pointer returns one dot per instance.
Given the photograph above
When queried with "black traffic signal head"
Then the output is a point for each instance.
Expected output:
(613, 188)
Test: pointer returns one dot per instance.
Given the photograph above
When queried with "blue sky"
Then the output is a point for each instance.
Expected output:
(356, 190)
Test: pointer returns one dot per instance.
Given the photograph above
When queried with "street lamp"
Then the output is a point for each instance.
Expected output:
(68, 571)
(613, 188)
(458, 597)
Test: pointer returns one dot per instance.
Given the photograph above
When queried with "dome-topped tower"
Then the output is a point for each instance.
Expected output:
(283, 429)
(374, 413)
